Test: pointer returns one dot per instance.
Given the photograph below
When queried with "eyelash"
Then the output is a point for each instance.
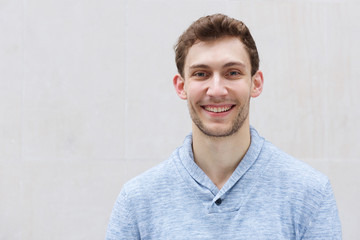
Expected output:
(237, 73)
(203, 74)
(200, 74)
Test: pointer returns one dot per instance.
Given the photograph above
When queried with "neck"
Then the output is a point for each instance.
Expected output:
(218, 157)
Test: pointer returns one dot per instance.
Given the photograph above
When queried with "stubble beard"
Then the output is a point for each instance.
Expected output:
(237, 123)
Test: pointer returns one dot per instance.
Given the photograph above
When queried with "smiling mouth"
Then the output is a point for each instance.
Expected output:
(218, 109)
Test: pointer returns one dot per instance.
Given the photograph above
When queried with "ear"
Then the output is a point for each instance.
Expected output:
(257, 84)
(179, 85)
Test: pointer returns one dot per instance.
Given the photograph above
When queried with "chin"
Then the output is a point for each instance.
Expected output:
(218, 133)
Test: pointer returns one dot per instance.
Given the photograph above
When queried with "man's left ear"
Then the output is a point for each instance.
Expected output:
(257, 84)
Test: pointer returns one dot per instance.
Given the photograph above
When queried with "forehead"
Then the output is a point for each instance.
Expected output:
(217, 53)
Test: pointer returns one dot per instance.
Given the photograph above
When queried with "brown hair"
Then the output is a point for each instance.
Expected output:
(214, 27)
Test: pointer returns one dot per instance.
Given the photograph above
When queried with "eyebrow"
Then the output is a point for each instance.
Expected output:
(229, 64)
(199, 66)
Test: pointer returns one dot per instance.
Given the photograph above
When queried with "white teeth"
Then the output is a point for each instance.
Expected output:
(217, 109)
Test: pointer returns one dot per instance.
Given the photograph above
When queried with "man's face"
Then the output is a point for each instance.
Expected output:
(218, 86)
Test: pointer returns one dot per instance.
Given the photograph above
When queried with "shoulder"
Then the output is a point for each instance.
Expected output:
(305, 187)
(303, 193)
(283, 165)
(293, 180)
(292, 169)
(155, 176)
(136, 200)
(156, 181)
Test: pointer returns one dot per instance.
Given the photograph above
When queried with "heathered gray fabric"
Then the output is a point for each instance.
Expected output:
(270, 195)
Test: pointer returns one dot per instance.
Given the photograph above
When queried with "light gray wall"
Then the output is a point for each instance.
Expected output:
(86, 101)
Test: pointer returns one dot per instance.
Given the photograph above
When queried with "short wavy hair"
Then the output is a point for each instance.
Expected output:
(213, 27)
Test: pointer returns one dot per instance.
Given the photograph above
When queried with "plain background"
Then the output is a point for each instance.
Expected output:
(87, 102)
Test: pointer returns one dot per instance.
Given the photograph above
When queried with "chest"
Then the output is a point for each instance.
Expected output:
(191, 220)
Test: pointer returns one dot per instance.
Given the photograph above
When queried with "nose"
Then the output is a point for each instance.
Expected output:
(217, 87)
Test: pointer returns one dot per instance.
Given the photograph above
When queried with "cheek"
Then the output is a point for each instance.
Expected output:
(194, 89)
(243, 87)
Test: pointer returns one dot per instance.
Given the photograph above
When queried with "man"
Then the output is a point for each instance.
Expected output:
(225, 181)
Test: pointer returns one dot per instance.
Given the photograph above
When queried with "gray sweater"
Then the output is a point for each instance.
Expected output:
(270, 195)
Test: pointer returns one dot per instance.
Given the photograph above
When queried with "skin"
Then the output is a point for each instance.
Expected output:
(218, 85)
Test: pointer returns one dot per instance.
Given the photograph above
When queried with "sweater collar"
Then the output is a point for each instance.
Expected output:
(187, 159)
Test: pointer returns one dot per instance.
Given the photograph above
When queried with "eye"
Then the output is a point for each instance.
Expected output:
(200, 74)
(233, 74)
